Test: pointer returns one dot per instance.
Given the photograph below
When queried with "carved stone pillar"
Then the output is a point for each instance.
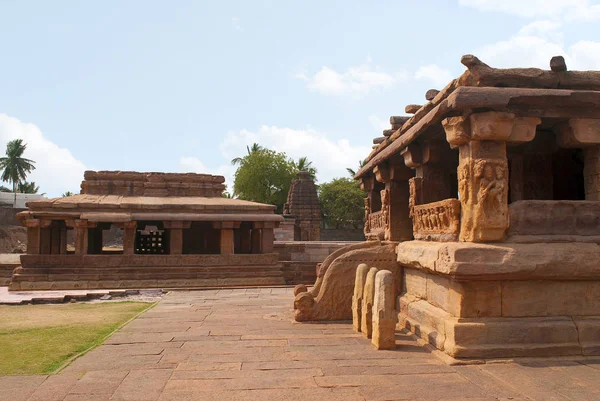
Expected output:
(129, 231)
(176, 235)
(395, 200)
(45, 237)
(431, 164)
(55, 237)
(226, 237)
(483, 170)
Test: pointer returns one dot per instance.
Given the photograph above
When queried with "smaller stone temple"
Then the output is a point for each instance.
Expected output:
(303, 205)
(178, 231)
(484, 204)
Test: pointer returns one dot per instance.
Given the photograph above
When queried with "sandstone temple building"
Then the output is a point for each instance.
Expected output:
(485, 204)
(177, 229)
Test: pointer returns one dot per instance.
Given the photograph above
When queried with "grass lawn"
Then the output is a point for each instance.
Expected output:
(37, 339)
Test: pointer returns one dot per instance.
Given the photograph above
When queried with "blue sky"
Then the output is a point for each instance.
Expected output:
(186, 85)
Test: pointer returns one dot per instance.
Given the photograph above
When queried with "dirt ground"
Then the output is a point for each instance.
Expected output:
(13, 239)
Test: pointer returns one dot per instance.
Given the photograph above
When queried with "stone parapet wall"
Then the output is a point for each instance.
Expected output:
(299, 259)
(554, 221)
(130, 183)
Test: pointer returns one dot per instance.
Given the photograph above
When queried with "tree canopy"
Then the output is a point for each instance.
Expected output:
(303, 164)
(342, 203)
(14, 166)
(27, 187)
(264, 176)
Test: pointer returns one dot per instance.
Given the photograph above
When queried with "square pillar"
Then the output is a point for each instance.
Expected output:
(176, 235)
(81, 236)
(227, 245)
(129, 231)
(45, 237)
(267, 236)
(33, 236)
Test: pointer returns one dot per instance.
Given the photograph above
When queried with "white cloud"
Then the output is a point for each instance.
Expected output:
(330, 157)
(585, 55)
(535, 44)
(194, 165)
(235, 24)
(437, 75)
(57, 170)
(529, 8)
(379, 124)
(356, 80)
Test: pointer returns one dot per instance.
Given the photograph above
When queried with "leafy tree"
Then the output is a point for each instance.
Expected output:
(28, 187)
(255, 148)
(352, 172)
(14, 166)
(264, 176)
(342, 203)
(303, 164)
(68, 193)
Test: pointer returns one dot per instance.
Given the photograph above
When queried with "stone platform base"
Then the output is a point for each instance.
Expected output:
(6, 271)
(502, 300)
(54, 272)
(501, 337)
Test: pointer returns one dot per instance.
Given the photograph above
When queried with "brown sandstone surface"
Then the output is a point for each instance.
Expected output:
(242, 345)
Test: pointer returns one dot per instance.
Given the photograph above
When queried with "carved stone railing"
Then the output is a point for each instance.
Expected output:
(437, 221)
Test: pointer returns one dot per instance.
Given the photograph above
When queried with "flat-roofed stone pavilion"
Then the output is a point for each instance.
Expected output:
(178, 231)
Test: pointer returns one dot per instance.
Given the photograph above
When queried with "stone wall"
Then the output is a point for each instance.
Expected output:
(300, 258)
(342, 234)
(7, 216)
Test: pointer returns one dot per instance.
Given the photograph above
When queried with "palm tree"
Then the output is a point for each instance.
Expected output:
(361, 164)
(255, 148)
(304, 164)
(14, 166)
(68, 193)
(28, 187)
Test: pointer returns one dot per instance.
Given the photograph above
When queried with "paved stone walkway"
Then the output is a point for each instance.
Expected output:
(242, 345)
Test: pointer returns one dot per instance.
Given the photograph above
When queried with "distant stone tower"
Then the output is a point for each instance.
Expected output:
(303, 204)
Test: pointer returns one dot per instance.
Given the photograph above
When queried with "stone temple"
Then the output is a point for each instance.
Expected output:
(485, 205)
(177, 229)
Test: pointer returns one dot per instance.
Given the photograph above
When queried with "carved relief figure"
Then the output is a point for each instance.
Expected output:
(367, 228)
(491, 209)
(463, 183)
(385, 208)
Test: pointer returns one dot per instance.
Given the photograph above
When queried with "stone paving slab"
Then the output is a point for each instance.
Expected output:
(243, 345)
(46, 297)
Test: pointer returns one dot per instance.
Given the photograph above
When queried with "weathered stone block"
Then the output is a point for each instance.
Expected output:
(359, 285)
(366, 320)
(384, 315)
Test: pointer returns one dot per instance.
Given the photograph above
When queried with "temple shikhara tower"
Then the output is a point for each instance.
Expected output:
(485, 205)
(177, 229)
(303, 205)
